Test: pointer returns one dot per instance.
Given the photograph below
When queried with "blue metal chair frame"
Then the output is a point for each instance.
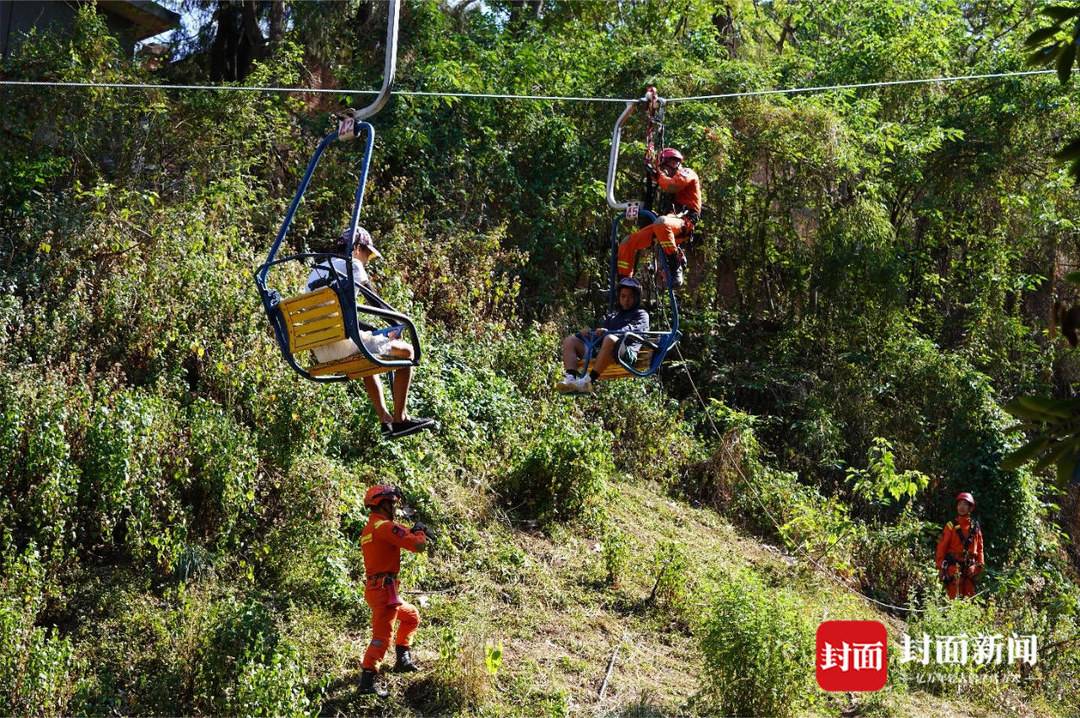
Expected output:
(660, 342)
(344, 286)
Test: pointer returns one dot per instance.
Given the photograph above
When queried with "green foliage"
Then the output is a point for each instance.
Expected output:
(1055, 44)
(652, 442)
(39, 669)
(1057, 439)
(893, 561)
(880, 481)
(944, 618)
(871, 264)
(615, 551)
(36, 666)
(493, 657)
(273, 686)
(461, 678)
(757, 646)
(561, 474)
(671, 566)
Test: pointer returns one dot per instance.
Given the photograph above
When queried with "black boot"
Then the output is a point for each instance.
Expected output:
(368, 687)
(404, 661)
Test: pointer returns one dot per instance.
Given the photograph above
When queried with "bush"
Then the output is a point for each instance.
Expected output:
(242, 633)
(671, 588)
(653, 443)
(36, 665)
(615, 550)
(38, 668)
(564, 470)
(461, 679)
(893, 561)
(757, 648)
(271, 686)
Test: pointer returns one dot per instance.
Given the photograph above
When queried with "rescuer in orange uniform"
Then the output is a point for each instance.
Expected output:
(670, 230)
(960, 550)
(381, 542)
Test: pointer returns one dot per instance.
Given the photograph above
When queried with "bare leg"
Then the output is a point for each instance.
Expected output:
(573, 349)
(606, 356)
(402, 379)
(375, 393)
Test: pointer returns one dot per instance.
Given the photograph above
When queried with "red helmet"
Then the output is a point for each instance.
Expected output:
(965, 496)
(379, 493)
(670, 153)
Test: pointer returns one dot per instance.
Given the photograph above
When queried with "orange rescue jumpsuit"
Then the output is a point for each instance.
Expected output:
(950, 553)
(669, 230)
(382, 541)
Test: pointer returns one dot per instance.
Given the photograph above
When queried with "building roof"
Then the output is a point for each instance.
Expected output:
(147, 17)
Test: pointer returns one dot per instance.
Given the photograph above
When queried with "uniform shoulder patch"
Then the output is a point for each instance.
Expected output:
(949, 525)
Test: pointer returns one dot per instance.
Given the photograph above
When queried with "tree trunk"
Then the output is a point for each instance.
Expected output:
(238, 41)
(277, 21)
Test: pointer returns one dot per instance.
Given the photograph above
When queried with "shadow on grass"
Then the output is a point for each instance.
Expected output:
(343, 698)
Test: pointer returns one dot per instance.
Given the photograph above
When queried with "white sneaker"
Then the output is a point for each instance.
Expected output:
(584, 385)
(568, 384)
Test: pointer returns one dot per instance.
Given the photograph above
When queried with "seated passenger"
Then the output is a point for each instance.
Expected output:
(378, 343)
(604, 340)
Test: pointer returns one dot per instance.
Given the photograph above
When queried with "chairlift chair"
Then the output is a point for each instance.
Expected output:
(330, 313)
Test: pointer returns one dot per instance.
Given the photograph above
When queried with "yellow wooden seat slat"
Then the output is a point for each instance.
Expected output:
(315, 340)
(307, 333)
(314, 320)
(617, 371)
(353, 366)
(309, 300)
(314, 314)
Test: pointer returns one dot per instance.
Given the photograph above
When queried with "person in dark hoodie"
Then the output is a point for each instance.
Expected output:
(604, 340)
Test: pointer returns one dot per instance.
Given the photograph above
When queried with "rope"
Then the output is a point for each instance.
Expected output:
(314, 90)
(507, 96)
(860, 85)
(757, 496)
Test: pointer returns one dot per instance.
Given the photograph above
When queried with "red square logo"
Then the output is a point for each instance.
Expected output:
(852, 656)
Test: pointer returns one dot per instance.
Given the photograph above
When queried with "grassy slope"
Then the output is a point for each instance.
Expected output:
(559, 624)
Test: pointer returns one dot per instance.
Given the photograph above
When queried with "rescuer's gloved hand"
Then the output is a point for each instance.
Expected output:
(428, 533)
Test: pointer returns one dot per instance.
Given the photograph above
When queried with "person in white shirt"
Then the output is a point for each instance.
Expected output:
(378, 344)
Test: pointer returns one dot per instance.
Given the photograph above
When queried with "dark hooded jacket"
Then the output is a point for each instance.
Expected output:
(622, 321)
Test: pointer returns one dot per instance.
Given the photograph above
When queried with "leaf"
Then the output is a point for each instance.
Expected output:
(1069, 152)
(1060, 449)
(1044, 55)
(1025, 453)
(1060, 13)
(1040, 36)
(1073, 277)
(1042, 409)
(1066, 466)
(1065, 62)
